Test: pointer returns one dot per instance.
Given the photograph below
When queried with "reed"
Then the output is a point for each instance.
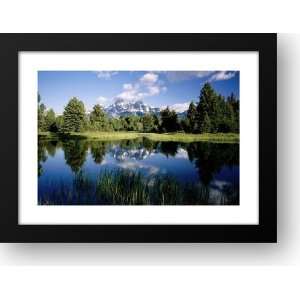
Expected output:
(123, 187)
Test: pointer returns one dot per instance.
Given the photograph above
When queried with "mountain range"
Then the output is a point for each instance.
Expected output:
(139, 108)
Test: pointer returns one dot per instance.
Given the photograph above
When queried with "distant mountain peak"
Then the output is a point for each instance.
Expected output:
(178, 107)
(125, 108)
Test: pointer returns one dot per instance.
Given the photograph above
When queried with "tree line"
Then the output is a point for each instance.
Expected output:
(209, 158)
(213, 113)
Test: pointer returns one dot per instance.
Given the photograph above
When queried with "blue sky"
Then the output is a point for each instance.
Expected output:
(163, 88)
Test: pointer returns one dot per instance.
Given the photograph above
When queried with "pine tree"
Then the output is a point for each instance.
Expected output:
(206, 124)
(98, 118)
(41, 114)
(235, 104)
(208, 103)
(148, 123)
(74, 115)
(191, 117)
(169, 120)
(50, 119)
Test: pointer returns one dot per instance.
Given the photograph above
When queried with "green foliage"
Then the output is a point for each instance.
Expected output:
(212, 114)
(235, 113)
(131, 123)
(59, 122)
(150, 123)
(115, 124)
(50, 121)
(190, 122)
(99, 120)
(206, 125)
(74, 116)
(122, 187)
(169, 122)
(41, 114)
(208, 104)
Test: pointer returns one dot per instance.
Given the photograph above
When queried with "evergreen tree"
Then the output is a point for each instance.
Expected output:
(59, 121)
(133, 123)
(155, 122)
(191, 118)
(148, 123)
(169, 120)
(185, 125)
(41, 114)
(116, 124)
(229, 118)
(208, 104)
(74, 115)
(50, 124)
(98, 119)
(235, 104)
(206, 124)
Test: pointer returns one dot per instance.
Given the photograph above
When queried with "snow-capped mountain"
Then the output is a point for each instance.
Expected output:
(139, 108)
(125, 108)
(178, 107)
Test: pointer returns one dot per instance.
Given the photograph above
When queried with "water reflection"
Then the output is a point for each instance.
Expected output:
(75, 153)
(72, 167)
(98, 150)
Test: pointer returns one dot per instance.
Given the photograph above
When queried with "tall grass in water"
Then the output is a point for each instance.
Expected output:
(123, 187)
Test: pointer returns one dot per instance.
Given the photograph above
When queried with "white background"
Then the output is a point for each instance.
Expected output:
(205, 271)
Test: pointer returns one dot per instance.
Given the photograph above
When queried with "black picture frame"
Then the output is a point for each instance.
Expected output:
(265, 44)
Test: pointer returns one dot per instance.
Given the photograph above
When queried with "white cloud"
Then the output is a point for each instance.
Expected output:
(127, 86)
(149, 78)
(106, 74)
(130, 95)
(222, 75)
(186, 75)
(153, 90)
(146, 86)
(103, 101)
(182, 153)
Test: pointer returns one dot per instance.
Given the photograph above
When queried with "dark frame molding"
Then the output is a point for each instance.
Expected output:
(265, 44)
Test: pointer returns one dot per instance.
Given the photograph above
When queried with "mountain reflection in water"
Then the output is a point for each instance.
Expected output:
(141, 171)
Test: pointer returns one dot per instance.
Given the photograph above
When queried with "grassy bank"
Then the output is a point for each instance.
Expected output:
(189, 137)
(168, 137)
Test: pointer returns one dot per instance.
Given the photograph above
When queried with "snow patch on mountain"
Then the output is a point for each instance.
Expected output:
(178, 107)
(124, 108)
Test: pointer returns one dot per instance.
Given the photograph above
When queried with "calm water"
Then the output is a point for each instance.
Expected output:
(69, 170)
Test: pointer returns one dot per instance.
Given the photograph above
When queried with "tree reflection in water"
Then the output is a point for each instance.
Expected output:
(42, 156)
(75, 153)
(209, 159)
(98, 150)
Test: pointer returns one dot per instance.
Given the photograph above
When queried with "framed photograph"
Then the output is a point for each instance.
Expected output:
(138, 138)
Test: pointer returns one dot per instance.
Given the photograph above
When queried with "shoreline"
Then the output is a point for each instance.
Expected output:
(164, 137)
